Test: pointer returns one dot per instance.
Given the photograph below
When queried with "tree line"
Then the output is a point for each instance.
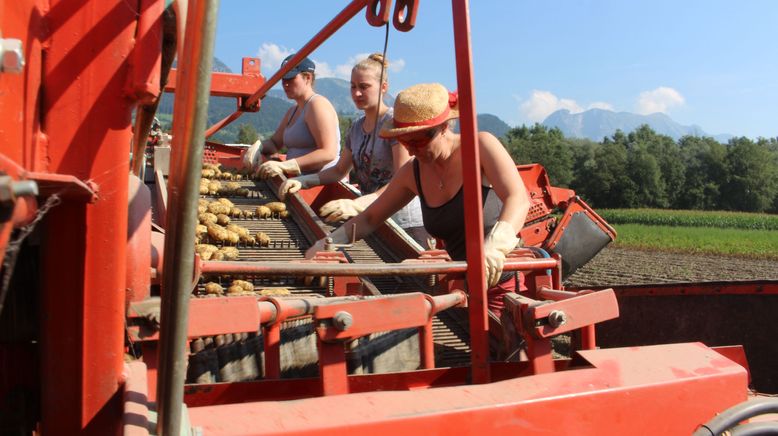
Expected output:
(646, 169)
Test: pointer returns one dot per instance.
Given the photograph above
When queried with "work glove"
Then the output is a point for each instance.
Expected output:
(500, 241)
(290, 186)
(253, 155)
(274, 168)
(343, 209)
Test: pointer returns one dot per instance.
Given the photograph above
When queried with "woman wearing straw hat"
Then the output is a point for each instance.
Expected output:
(374, 160)
(421, 124)
(309, 130)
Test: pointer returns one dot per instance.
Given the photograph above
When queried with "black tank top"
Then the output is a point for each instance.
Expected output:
(447, 221)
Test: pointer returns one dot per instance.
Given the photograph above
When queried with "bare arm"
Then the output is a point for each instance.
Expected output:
(501, 172)
(398, 193)
(276, 141)
(339, 171)
(322, 121)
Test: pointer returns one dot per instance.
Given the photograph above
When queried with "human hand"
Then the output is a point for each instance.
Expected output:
(290, 186)
(274, 168)
(252, 155)
(500, 241)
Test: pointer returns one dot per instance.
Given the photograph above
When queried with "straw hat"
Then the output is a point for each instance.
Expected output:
(420, 107)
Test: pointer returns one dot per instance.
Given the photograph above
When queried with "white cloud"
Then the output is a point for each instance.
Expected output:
(541, 104)
(658, 100)
(271, 56)
(600, 105)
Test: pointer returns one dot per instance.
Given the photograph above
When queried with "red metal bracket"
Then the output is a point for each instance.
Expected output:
(378, 17)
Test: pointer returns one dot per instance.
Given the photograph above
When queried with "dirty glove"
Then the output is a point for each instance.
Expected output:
(253, 155)
(343, 209)
(500, 241)
(274, 168)
(290, 186)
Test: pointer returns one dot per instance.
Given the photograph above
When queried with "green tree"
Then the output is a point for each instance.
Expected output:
(644, 172)
(705, 173)
(344, 122)
(603, 178)
(247, 134)
(668, 157)
(752, 176)
(545, 146)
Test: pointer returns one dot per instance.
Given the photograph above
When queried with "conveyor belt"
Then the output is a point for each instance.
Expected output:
(288, 242)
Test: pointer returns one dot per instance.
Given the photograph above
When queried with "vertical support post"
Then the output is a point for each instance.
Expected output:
(189, 117)
(273, 351)
(426, 346)
(539, 353)
(471, 168)
(332, 364)
(588, 338)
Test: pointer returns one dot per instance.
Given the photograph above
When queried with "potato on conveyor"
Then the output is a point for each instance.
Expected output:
(276, 206)
(216, 208)
(203, 202)
(235, 212)
(218, 255)
(211, 166)
(204, 189)
(207, 218)
(222, 219)
(283, 214)
(200, 230)
(249, 214)
(242, 192)
(264, 212)
(245, 285)
(206, 251)
(208, 173)
(234, 289)
(217, 232)
(241, 231)
(232, 186)
(230, 253)
(226, 202)
(232, 237)
(202, 209)
(214, 187)
(263, 240)
(238, 177)
(214, 288)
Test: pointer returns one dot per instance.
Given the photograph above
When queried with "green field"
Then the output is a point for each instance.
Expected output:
(727, 233)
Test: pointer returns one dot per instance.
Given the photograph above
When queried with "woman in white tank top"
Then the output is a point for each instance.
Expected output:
(309, 130)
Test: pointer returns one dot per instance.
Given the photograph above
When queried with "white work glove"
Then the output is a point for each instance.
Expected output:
(343, 209)
(290, 186)
(500, 241)
(274, 168)
(253, 155)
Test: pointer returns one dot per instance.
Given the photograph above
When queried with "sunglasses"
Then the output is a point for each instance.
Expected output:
(418, 139)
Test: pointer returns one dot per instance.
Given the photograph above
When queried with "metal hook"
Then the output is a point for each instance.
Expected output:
(405, 21)
(380, 18)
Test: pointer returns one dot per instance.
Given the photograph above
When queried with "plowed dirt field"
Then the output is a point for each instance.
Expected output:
(621, 266)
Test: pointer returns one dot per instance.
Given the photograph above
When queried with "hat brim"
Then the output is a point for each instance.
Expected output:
(388, 130)
(291, 74)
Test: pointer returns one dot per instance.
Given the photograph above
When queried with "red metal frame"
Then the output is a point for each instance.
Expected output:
(635, 388)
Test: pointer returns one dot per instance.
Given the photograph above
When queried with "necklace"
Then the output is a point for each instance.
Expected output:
(441, 178)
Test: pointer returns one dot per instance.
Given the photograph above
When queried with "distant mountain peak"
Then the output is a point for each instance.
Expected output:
(596, 124)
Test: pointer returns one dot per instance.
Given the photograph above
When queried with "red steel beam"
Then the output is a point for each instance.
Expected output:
(86, 112)
(313, 268)
(471, 170)
(682, 384)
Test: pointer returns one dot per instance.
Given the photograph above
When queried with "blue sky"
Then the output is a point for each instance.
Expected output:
(711, 63)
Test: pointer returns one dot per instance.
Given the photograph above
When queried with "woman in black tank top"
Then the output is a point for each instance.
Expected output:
(421, 123)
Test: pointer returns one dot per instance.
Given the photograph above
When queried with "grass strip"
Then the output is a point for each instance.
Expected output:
(762, 244)
(691, 218)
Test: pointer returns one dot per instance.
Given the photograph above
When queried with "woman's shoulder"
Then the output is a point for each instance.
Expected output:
(320, 102)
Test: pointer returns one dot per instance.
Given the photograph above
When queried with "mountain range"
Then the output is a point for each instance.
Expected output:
(596, 124)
